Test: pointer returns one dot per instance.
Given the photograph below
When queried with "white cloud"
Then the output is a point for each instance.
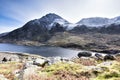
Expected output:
(71, 10)
(7, 29)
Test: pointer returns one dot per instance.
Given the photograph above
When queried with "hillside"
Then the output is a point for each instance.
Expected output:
(22, 66)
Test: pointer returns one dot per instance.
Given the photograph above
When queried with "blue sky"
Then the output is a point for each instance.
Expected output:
(15, 13)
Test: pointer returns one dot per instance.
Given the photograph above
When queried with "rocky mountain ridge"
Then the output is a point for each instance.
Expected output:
(52, 29)
(42, 29)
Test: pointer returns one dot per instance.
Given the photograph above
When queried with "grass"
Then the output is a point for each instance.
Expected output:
(85, 62)
(61, 66)
(80, 69)
(63, 71)
(111, 73)
(8, 68)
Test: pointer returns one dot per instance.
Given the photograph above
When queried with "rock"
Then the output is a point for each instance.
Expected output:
(2, 77)
(99, 56)
(118, 54)
(84, 54)
(94, 68)
(110, 51)
(27, 73)
(16, 72)
(4, 59)
(28, 64)
(53, 60)
(40, 62)
(9, 56)
(107, 63)
(109, 57)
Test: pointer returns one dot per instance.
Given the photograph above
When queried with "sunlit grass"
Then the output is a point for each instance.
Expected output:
(61, 66)
(8, 68)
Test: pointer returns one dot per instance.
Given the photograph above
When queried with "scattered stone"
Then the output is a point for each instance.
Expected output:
(94, 68)
(109, 57)
(109, 51)
(4, 59)
(117, 54)
(2, 77)
(16, 72)
(107, 63)
(40, 62)
(53, 60)
(84, 54)
(99, 56)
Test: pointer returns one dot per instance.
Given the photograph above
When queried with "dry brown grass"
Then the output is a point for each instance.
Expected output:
(7, 69)
(118, 58)
(64, 75)
(85, 62)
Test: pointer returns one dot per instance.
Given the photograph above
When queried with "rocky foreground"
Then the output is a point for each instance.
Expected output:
(23, 66)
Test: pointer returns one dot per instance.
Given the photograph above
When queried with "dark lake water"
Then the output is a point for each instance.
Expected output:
(45, 51)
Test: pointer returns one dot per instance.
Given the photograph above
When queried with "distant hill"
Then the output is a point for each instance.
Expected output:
(3, 34)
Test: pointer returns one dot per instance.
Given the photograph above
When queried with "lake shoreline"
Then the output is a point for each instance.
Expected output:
(72, 47)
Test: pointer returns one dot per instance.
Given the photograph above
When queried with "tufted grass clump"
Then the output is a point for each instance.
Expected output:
(109, 76)
(8, 68)
(112, 74)
(72, 68)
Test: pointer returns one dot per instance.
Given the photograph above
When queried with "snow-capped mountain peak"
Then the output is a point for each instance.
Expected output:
(115, 20)
(62, 22)
(93, 22)
(50, 20)
(50, 17)
(99, 21)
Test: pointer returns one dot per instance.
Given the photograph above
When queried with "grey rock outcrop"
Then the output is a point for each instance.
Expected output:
(84, 54)
(109, 57)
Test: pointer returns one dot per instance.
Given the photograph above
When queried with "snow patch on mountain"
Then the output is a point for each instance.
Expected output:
(94, 22)
(51, 19)
(71, 26)
(62, 22)
(99, 22)
(115, 20)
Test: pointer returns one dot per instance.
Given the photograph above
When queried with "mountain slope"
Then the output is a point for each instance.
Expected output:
(93, 22)
(46, 27)
(38, 29)
(99, 21)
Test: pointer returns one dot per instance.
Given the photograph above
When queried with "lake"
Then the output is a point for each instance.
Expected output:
(46, 51)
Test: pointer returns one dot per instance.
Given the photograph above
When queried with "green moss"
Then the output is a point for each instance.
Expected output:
(61, 66)
(110, 72)
(108, 76)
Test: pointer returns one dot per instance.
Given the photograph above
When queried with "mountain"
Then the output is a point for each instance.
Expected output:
(98, 25)
(44, 28)
(3, 34)
(50, 20)
(99, 21)
(38, 29)
(94, 22)
(89, 33)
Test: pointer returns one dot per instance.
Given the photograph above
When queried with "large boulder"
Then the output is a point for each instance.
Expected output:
(109, 57)
(99, 56)
(4, 59)
(84, 54)
(118, 54)
(40, 62)
(2, 77)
